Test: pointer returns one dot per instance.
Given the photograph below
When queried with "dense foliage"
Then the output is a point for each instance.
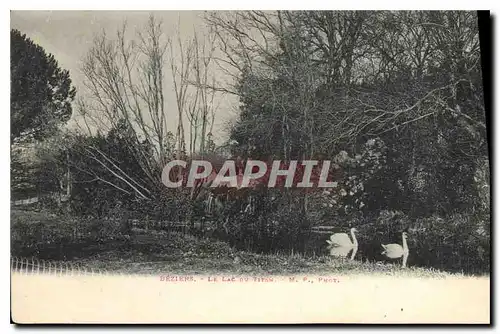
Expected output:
(40, 101)
(320, 83)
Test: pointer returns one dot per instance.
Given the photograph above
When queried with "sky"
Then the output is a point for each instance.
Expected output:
(68, 36)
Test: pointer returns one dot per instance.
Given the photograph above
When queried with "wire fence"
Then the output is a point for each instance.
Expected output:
(32, 266)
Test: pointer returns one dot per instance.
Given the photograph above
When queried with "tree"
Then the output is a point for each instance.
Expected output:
(316, 83)
(192, 80)
(41, 92)
(125, 78)
(320, 82)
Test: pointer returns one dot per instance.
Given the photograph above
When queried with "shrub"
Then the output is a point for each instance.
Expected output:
(458, 242)
(31, 232)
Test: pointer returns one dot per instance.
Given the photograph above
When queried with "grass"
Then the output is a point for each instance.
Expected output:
(159, 252)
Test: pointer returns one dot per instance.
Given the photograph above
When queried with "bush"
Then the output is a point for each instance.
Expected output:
(32, 232)
(275, 222)
(458, 242)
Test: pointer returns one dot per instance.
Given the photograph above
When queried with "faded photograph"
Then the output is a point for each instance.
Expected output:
(249, 143)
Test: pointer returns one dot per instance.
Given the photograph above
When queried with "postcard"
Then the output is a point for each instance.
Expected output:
(250, 167)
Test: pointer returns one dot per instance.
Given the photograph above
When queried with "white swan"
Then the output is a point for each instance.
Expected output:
(395, 251)
(340, 245)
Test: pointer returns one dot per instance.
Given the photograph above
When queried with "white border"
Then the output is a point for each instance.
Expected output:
(185, 5)
(260, 4)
